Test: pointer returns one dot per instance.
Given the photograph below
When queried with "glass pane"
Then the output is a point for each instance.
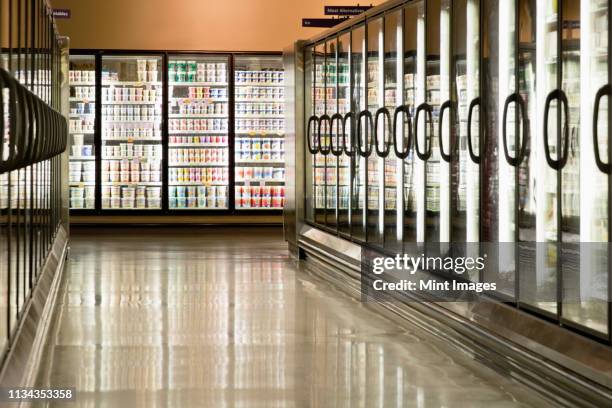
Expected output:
(358, 173)
(198, 134)
(344, 106)
(393, 98)
(309, 96)
(319, 108)
(260, 132)
(414, 36)
(331, 107)
(584, 205)
(82, 78)
(499, 47)
(538, 213)
(426, 137)
(375, 100)
(131, 132)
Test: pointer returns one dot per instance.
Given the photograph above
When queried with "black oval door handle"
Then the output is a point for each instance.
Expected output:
(475, 102)
(312, 149)
(324, 118)
(514, 161)
(605, 90)
(368, 148)
(446, 157)
(561, 161)
(402, 154)
(386, 143)
(336, 117)
(350, 152)
(424, 156)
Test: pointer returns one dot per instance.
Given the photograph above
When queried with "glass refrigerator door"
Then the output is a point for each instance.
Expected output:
(82, 172)
(375, 100)
(358, 93)
(310, 142)
(427, 140)
(344, 106)
(131, 132)
(331, 107)
(260, 131)
(198, 142)
(413, 89)
(585, 289)
(498, 193)
(319, 110)
(393, 76)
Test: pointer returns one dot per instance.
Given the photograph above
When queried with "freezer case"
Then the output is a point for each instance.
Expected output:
(82, 79)
(198, 125)
(259, 132)
(131, 153)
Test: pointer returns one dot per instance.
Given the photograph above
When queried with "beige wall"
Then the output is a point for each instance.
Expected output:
(232, 25)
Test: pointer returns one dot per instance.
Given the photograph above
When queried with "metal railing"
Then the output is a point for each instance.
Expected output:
(33, 136)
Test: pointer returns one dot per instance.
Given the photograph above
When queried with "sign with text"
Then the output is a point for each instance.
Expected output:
(345, 10)
(61, 13)
(321, 22)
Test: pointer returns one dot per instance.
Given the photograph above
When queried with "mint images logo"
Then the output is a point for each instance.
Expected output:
(411, 264)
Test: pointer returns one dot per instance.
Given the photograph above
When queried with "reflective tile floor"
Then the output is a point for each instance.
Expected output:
(221, 317)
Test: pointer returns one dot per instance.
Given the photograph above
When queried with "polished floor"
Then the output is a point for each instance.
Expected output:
(221, 317)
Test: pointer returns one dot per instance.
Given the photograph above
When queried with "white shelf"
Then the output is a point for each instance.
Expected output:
(131, 83)
(141, 158)
(196, 116)
(259, 133)
(82, 157)
(132, 121)
(259, 100)
(197, 132)
(196, 183)
(198, 165)
(82, 183)
(260, 84)
(261, 181)
(131, 103)
(132, 139)
(132, 183)
(213, 84)
(80, 132)
(200, 99)
(80, 115)
(190, 145)
(260, 116)
(82, 83)
(259, 162)
(86, 100)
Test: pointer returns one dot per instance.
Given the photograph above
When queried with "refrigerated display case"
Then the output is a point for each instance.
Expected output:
(259, 132)
(518, 166)
(81, 126)
(198, 132)
(172, 133)
(131, 154)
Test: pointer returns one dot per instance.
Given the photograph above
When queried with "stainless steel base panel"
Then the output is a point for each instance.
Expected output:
(570, 369)
(21, 364)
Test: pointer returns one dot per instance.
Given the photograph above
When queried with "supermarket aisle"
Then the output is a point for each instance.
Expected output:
(220, 317)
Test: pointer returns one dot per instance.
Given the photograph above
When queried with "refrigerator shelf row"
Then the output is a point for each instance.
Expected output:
(259, 84)
(197, 164)
(197, 89)
(186, 84)
(130, 83)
